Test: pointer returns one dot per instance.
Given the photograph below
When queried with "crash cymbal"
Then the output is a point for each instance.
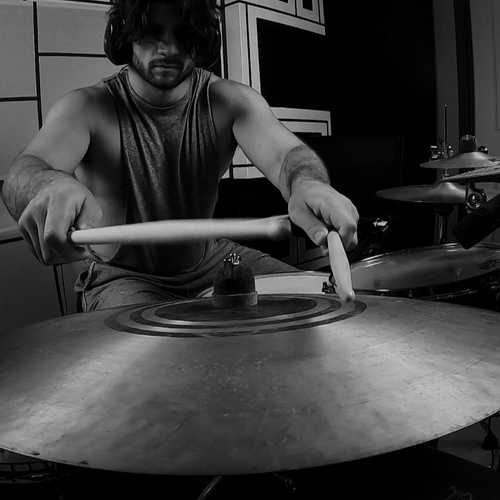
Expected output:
(474, 159)
(437, 194)
(486, 174)
(298, 381)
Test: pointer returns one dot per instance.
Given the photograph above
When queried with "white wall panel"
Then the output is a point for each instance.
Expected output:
(17, 60)
(61, 74)
(287, 6)
(74, 28)
(18, 124)
(31, 295)
(313, 14)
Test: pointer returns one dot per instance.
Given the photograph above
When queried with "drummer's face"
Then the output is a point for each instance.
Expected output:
(159, 56)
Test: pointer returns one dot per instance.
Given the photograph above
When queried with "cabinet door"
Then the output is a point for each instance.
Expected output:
(287, 6)
(485, 19)
(311, 9)
(27, 288)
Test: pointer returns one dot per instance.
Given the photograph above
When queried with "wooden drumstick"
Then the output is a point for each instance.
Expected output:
(185, 230)
(341, 269)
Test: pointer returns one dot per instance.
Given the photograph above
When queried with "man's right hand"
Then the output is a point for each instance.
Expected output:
(47, 219)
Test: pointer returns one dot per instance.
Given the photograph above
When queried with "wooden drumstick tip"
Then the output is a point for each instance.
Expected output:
(341, 268)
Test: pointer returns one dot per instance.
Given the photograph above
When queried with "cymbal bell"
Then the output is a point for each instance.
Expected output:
(474, 159)
(300, 381)
(434, 194)
(486, 174)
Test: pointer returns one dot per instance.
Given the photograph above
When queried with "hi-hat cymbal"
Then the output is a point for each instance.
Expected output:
(299, 381)
(436, 194)
(474, 159)
(486, 174)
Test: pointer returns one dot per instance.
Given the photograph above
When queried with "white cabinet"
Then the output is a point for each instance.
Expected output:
(311, 9)
(27, 288)
(287, 6)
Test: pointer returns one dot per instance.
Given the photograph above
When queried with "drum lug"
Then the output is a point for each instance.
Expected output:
(329, 286)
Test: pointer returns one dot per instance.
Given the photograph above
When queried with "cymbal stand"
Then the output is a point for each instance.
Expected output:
(287, 482)
(444, 151)
(441, 232)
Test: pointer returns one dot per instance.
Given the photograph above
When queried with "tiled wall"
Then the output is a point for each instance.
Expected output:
(46, 49)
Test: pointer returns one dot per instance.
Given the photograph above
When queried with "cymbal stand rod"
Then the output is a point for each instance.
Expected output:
(209, 487)
(441, 229)
(445, 131)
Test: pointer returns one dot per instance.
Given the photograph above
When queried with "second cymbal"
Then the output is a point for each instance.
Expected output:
(487, 174)
(473, 159)
(436, 194)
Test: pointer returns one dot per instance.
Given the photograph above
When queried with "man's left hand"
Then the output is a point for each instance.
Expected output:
(318, 208)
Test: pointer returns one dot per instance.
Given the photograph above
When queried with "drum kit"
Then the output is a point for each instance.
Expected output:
(287, 372)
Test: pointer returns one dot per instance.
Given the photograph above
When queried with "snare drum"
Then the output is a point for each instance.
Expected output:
(442, 272)
(299, 282)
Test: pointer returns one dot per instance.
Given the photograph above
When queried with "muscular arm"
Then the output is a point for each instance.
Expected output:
(54, 153)
(40, 190)
(301, 163)
(293, 167)
(27, 176)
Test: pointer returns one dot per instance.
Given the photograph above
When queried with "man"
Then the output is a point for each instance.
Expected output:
(151, 143)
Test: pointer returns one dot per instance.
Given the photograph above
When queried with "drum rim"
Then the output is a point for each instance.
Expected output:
(276, 275)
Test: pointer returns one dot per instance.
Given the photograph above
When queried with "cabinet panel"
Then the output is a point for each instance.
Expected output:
(78, 72)
(27, 290)
(311, 9)
(287, 6)
(18, 125)
(71, 28)
(17, 50)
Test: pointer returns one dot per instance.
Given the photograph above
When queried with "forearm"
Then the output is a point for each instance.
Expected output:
(301, 164)
(26, 177)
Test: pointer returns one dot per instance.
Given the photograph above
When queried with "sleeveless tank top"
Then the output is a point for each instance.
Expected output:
(172, 169)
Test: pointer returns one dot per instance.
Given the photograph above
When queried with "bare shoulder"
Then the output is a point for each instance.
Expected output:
(235, 95)
(89, 105)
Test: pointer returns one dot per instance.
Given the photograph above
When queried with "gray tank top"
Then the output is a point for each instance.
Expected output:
(172, 169)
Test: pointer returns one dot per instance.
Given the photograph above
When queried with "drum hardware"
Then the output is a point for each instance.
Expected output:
(442, 273)
(372, 233)
(441, 197)
(486, 174)
(475, 197)
(234, 284)
(469, 157)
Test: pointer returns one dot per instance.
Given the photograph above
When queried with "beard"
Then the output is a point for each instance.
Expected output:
(160, 83)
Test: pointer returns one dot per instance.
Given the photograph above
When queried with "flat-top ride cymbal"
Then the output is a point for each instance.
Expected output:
(474, 159)
(486, 174)
(436, 194)
(296, 382)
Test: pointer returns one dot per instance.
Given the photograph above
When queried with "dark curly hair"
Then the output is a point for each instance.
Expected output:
(129, 19)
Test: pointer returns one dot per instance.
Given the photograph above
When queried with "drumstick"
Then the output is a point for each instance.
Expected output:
(184, 230)
(341, 269)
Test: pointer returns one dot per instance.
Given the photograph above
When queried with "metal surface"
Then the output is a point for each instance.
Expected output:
(426, 271)
(486, 174)
(474, 159)
(240, 396)
(436, 194)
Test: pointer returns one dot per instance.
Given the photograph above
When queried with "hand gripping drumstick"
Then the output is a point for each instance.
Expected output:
(341, 269)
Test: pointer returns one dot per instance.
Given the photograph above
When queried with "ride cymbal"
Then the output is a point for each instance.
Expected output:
(437, 194)
(297, 381)
(473, 159)
(486, 174)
